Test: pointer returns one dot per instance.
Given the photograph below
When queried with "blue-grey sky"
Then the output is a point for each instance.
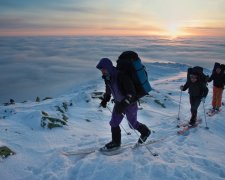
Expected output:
(112, 17)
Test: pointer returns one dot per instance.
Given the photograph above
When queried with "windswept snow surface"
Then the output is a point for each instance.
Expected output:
(200, 154)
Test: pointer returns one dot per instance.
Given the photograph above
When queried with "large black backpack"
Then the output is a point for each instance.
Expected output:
(129, 63)
(198, 71)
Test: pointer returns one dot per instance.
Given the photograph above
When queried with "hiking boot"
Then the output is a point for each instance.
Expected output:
(193, 116)
(145, 133)
(193, 119)
(191, 123)
(111, 146)
(116, 140)
(116, 135)
(217, 109)
(143, 138)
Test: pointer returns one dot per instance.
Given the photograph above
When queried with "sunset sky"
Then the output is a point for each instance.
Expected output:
(171, 18)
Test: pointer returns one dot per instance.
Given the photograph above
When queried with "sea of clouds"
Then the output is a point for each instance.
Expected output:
(51, 66)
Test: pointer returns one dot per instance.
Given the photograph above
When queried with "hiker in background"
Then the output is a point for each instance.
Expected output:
(218, 78)
(122, 89)
(196, 85)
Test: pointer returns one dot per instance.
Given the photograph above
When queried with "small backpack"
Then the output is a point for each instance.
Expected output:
(129, 63)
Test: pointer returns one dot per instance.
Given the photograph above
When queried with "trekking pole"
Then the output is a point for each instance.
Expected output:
(128, 133)
(152, 153)
(178, 116)
(205, 116)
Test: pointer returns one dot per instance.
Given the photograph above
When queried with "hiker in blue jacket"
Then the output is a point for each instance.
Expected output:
(122, 89)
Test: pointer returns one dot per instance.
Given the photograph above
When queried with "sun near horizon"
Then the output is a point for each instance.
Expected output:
(170, 18)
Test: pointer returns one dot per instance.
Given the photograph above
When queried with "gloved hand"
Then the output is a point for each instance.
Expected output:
(103, 103)
(207, 78)
(203, 99)
(182, 88)
(121, 106)
(105, 99)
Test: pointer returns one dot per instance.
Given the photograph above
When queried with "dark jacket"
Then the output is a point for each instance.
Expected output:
(119, 84)
(197, 89)
(218, 79)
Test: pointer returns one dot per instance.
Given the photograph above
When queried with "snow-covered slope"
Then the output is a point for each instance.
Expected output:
(199, 154)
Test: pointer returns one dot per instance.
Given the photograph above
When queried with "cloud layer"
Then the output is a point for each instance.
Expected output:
(50, 66)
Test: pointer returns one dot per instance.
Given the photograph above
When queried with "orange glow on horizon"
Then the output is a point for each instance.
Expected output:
(171, 31)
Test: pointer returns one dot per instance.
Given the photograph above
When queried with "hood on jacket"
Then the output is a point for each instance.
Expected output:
(106, 64)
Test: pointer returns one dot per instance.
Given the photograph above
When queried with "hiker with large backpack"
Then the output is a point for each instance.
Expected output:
(122, 87)
(197, 89)
(218, 78)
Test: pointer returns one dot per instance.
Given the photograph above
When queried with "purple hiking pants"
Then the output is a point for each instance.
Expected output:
(131, 114)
